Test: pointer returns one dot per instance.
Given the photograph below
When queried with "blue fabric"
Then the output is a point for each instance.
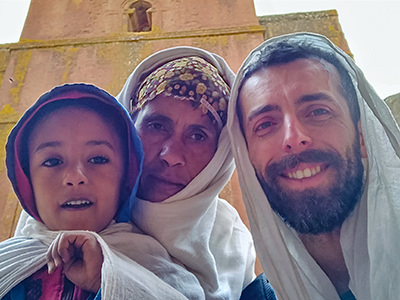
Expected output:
(259, 289)
(17, 293)
(347, 296)
(98, 296)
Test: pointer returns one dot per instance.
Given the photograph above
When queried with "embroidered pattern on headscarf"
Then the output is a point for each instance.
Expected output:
(187, 78)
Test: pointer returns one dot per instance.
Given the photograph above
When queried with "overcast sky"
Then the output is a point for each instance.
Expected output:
(371, 29)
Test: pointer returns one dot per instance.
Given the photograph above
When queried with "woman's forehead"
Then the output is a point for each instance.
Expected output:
(174, 110)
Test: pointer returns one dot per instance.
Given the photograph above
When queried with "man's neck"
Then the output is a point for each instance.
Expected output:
(326, 250)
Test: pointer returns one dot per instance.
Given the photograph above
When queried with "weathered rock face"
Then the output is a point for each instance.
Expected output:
(394, 104)
(101, 42)
(322, 22)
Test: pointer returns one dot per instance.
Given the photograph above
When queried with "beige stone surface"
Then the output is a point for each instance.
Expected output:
(89, 41)
(321, 22)
(394, 104)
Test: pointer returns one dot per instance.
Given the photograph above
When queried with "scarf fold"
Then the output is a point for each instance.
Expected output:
(133, 263)
(370, 237)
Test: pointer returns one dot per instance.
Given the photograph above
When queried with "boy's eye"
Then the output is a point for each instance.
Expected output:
(99, 160)
(52, 162)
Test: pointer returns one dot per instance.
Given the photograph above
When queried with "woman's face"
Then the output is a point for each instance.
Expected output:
(178, 143)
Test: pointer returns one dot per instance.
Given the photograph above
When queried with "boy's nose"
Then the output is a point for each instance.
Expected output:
(75, 176)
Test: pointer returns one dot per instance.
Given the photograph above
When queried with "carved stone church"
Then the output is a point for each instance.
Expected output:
(101, 42)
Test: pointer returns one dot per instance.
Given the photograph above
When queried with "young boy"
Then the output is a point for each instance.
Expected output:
(74, 159)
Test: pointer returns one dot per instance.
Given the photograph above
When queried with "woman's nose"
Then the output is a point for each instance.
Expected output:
(296, 136)
(75, 175)
(172, 153)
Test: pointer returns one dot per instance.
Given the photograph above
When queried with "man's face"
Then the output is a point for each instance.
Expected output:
(76, 168)
(302, 143)
(178, 143)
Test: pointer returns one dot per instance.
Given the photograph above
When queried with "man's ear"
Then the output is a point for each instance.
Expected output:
(362, 143)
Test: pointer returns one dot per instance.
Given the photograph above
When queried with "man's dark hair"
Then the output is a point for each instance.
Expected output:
(286, 51)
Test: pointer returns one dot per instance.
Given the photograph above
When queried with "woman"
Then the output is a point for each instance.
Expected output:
(178, 100)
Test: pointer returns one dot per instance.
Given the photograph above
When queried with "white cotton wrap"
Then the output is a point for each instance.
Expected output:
(370, 237)
(131, 272)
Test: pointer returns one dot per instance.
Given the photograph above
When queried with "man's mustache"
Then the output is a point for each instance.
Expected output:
(291, 161)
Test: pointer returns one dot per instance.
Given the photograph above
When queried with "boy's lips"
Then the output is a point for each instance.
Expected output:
(77, 203)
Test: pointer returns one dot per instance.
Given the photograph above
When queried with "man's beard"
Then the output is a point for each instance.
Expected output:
(317, 210)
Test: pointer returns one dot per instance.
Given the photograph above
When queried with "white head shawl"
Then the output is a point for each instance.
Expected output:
(198, 229)
(370, 237)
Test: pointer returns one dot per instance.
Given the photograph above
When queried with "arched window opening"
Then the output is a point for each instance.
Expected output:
(139, 16)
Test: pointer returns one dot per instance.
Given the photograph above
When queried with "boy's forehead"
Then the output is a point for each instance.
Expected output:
(70, 115)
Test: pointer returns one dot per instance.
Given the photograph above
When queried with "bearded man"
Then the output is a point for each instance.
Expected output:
(317, 153)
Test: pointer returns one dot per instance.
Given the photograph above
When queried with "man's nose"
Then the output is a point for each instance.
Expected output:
(296, 136)
(75, 175)
(172, 153)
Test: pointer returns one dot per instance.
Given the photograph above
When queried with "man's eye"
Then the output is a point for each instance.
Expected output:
(320, 114)
(52, 162)
(319, 111)
(99, 160)
(264, 125)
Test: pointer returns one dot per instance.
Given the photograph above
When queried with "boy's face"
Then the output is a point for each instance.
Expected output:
(76, 168)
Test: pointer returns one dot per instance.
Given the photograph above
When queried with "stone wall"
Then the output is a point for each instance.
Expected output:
(394, 104)
(321, 22)
(105, 54)
(75, 41)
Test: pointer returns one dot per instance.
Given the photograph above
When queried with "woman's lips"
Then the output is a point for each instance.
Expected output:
(168, 181)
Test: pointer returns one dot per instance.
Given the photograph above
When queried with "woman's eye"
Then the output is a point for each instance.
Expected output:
(99, 160)
(198, 137)
(52, 162)
(155, 125)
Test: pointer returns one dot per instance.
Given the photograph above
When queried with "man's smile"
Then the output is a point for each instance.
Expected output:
(304, 173)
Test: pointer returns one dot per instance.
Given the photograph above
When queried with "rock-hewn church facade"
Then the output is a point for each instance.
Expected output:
(101, 42)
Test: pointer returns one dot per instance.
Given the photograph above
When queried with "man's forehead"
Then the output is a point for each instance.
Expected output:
(261, 82)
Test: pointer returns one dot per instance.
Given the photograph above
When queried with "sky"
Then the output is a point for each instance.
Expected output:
(371, 29)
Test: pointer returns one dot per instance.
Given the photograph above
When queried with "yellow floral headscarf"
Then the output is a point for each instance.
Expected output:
(187, 78)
